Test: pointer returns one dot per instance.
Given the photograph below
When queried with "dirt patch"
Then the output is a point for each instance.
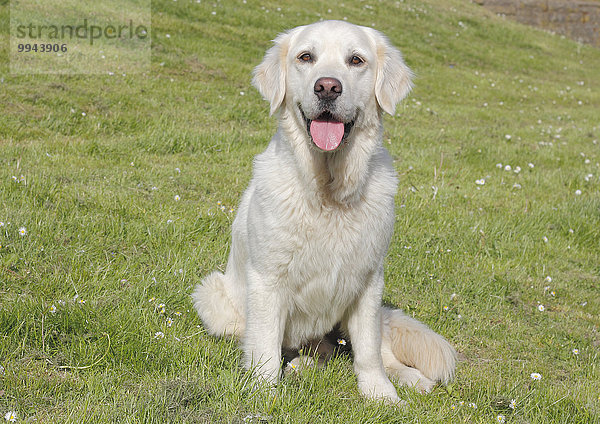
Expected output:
(577, 19)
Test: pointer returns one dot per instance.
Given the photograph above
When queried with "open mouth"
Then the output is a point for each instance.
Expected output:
(326, 131)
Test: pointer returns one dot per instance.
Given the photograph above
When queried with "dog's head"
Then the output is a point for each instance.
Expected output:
(330, 75)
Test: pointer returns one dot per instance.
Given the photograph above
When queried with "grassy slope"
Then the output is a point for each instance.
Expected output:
(98, 228)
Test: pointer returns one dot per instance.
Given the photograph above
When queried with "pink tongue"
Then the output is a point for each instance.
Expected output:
(327, 135)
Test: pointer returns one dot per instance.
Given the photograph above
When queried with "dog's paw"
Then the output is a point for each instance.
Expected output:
(412, 377)
(380, 389)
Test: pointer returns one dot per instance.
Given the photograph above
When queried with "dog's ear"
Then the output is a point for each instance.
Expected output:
(270, 76)
(394, 78)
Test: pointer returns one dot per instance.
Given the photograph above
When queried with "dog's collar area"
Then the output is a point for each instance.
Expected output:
(327, 116)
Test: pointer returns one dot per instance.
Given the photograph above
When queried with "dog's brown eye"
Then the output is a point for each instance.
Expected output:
(356, 60)
(305, 57)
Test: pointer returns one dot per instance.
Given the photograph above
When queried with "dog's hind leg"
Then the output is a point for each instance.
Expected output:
(220, 305)
(402, 374)
(408, 343)
(220, 299)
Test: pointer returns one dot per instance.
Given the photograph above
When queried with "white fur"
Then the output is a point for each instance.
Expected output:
(313, 227)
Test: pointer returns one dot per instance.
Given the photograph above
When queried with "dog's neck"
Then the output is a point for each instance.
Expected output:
(332, 178)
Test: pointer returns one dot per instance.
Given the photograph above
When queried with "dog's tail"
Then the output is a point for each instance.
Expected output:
(220, 305)
(415, 345)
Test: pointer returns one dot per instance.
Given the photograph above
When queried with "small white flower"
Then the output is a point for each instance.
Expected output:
(498, 165)
(341, 342)
(169, 221)
(578, 192)
(531, 165)
(517, 169)
(480, 182)
(575, 351)
(548, 279)
(169, 322)
(2, 372)
(23, 231)
(52, 309)
(159, 335)
(508, 136)
(1, 224)
(501, 419)
(446, 308)
(152, 299)
(541, 308)
(536, 376)
(473, 405)
(11, 416)
(508, 168)
(177, 198)
(168, 35)
(545, 239)
(513, 404)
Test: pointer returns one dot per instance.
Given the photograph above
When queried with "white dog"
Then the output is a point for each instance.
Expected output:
(314, 225)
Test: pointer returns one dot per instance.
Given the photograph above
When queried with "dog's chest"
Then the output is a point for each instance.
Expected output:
(330, 250)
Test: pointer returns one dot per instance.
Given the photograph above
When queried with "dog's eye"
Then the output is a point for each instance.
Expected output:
(356, 60)
(305, 57)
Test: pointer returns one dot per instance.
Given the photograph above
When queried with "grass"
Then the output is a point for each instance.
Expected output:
(80, 340)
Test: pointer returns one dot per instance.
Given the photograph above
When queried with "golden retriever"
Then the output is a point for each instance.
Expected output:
(313, 227)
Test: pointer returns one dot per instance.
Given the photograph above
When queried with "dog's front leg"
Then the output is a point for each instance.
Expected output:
(265, 324)
(364, 328)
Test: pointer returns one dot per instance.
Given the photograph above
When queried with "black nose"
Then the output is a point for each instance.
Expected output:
(328, 88)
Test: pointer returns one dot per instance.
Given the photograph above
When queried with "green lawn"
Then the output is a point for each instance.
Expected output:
(117, 193)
